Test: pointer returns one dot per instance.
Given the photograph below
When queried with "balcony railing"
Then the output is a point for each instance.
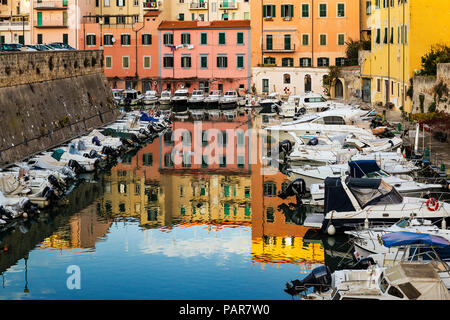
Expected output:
(228, 5)
(198, 5)
(51, 5)
(279, 48)
(150, 5)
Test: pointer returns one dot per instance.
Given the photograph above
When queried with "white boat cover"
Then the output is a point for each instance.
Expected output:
(9, 185)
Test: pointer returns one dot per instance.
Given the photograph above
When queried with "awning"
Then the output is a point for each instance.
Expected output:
(395, 239)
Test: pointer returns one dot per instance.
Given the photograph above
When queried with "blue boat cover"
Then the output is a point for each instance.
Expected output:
(73, 149)
(401, 238)
(146, 117)
(362, 167)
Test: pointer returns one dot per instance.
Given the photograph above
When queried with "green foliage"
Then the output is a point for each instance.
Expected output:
(438, 54)
(63, 121)
(333, 74)
(254, 88)
(352, 50)
(440, 89)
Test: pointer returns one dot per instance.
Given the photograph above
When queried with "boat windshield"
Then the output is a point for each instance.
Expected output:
(165, 94)
(230, 93)
(215, 93)
(376, 174)
(315, 99)
(383, 283)
(197, 93)
(180, 94)
(373, 192)
(402, 223)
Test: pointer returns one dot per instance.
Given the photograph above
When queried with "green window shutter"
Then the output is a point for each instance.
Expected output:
(291, 10)
(247, 212)
(240, 62)
(264, 11)
(202, 191)
(221, 38)
(240, 38)
(182, 211)
(204, 38)
(282, 10)
(273, 11)
(226, 208)
(39, 18)
(226, 190)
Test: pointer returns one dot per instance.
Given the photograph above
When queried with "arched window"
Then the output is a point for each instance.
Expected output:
(286, 78)
(308, 83)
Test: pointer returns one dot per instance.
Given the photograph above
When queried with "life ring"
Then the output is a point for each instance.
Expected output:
(253, 102)
(432, 204)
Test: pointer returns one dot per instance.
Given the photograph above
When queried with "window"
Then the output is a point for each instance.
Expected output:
(323, 62)
(287, 11)
(222, 61)
(185, 38)
(204, 164)
(146, 39)
(125, 39)
(268, 11)
(378, 85)
(107, 39)
(305, 62)
(368, 7)
(222, 136)
(168, 61)
(270, 189)
(286, 78)
(240, 138)
(246, 15)
(120, 3)
(108, 62)
(147, 62)
(120, 20)
(341, 39)
(323, 39)
(168, 38)
(341, 10)
(186, 161)
(39, 38)
(270, 215)
(377, 4)
(240, 161)
(240, 61)
(340, 61)
(269, 42)
(265, 85)
(125, 62)
(203, 38)
(269, 60)
(287, 42)
(240, 38)
(186, 61)
(287, 62)
(377, 39)
(90, 40)
(147, 159)
(222, 39)
(305, 10)
(168, 163)
(385, 39)
(305, 39)
(181, 16)
(391, 36)
(204, 61)
(222, 162)
(323, 10)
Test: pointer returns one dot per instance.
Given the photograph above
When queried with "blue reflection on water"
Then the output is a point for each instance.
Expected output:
(134, 263)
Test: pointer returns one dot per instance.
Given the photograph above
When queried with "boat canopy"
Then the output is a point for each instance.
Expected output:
(401, 238)
(146, 117)
(360, 168)
(366, 191)
(57, 154)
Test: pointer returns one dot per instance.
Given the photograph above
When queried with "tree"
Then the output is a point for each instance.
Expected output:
(352, 50)
(333, 75)
(438, 54)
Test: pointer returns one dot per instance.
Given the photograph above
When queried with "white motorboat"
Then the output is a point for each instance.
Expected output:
(367, 241)
(271, 104)
(117, 95)
(212, 100)
(229, 100)
(349, 202)
(179, 102)
(150, 97)
(403, 281)
(131, 97)
(60, 158)
(196, 104)
(165, 100)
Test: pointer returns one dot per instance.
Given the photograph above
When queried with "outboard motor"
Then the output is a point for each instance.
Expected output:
(361, 264)
(135, 138)
(30, 208)
(301, 111)
(96, 141)
(144, 132)
(49, 194)
(66, 170)
(75, 166)
(5, 213)
(126, 142)
(296, 188)
(93, 154)
(55, 183)
(313, 142)
(285, 146)
(319, 279)
(108, 151)
(81, 146)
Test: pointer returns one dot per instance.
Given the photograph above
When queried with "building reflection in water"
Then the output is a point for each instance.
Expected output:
(152, 188)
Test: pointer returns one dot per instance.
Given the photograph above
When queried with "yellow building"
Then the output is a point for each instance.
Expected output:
(401, 33)
(14, 21)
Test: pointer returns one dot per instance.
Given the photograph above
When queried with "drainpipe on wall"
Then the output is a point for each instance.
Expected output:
(312, 33)
(136, 57)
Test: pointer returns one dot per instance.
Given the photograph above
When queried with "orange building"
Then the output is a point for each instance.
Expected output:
(58, 20)
(130, 48)
(309, 33)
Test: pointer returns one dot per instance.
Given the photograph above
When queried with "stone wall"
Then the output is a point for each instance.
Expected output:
(47, 98)
(423, 90)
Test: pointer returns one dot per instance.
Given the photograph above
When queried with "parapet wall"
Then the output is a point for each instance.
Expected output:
(49, 97)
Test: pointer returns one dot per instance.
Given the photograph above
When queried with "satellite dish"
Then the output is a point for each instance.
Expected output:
(113, 39)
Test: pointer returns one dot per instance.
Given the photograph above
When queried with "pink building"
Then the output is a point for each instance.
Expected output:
(205, 55)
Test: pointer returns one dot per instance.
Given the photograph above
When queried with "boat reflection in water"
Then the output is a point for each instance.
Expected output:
(153, 221)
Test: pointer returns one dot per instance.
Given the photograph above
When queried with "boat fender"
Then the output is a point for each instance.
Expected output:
(331, 230)
(432, 204)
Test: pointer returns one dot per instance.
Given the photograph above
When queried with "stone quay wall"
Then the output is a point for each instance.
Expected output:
(49, 97)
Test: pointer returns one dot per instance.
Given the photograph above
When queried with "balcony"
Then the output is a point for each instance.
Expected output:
(228, 5)
(14, 26)
(51, 5)
(150, 5)
(198, 6)
(279, 48)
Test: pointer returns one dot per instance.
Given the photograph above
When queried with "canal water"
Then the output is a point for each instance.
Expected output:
(150, 228)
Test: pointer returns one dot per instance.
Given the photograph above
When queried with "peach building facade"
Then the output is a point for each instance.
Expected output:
(205, 55)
